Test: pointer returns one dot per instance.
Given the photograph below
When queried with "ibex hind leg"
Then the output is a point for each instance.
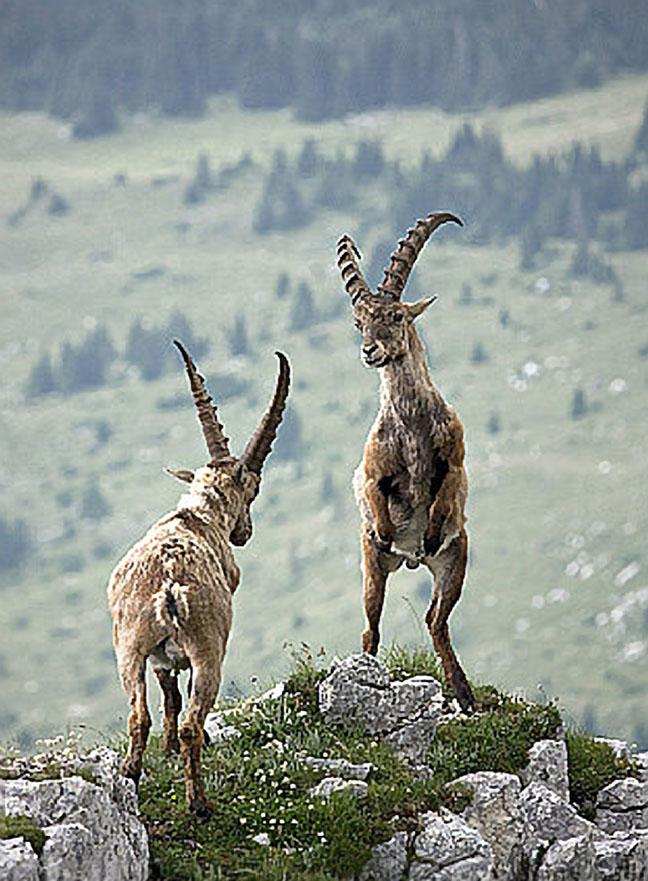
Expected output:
(206, 681)
(449, 570)
(132, 671)
(376, 567)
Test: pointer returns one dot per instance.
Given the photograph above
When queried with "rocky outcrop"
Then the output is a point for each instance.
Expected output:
(516, 827)
(505, 827)
(92, 829)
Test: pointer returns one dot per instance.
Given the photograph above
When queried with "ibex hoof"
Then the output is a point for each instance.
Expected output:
(202, 808)
(132, 774)
(464, 696)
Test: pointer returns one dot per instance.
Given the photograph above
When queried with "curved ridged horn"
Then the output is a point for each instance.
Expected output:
(404, 256)
(217, 443)
(260, 444)
(347, 261)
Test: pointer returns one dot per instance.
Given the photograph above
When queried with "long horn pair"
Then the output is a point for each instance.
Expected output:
(260, 444)
(401, 262)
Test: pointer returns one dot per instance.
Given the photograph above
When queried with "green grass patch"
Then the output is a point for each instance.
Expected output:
(592, 766)
(23, 827)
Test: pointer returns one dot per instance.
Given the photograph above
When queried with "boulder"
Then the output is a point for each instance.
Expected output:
(358, 690)
(547, 817)
(448, 849)
(218, 729)
(92, 829)
(619, 857)
(622, 806)
(389, 860)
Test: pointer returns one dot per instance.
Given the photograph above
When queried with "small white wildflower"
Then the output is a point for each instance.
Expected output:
(262, 838)
(242, 820)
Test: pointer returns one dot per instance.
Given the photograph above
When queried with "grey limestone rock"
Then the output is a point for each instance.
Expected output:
(619, 857)
(622, 806)
(358, 690)
(548, 765)
(93, 830)
(448, 849)
(496, 814)
(620, 748)
(219, 729)
(329, 785)
(18, 862)
(389, 860)
(641, 760)
(341, 768)
(547, 817)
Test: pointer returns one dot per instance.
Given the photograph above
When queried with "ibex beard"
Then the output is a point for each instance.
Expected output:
(171, 595)
(411, 485)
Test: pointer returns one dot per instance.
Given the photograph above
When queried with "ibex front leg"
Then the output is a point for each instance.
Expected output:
(376, 567)
(449, 569)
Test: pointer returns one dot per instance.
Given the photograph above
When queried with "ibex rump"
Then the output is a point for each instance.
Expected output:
(411, 485)
(171, 595)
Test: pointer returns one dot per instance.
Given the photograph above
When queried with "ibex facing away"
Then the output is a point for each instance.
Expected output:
(411, 485)
(171, 595)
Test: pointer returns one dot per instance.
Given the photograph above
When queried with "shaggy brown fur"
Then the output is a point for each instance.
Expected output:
(171, 595)
(411, 485)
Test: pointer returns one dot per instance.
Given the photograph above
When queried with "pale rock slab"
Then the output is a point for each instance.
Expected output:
(330, 785)
(341, 768)
(218, 729)
(496, 814)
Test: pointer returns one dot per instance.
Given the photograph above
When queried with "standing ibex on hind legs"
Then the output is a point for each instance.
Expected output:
(411, 485)
(171, 595)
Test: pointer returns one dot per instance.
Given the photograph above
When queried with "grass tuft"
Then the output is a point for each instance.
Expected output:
(23, 827)
(592, 766)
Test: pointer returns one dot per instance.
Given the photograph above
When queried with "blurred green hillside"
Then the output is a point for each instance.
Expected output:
(548, 367)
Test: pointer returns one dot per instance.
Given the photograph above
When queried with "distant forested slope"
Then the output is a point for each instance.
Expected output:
(85, 59)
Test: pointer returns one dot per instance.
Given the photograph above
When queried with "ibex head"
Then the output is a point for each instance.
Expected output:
(227, 482)
(382, 319)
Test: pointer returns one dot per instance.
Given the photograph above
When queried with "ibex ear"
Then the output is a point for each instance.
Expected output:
(180, 474)
(416, 309)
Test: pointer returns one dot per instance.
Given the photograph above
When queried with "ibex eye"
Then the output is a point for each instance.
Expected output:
(398, 316)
